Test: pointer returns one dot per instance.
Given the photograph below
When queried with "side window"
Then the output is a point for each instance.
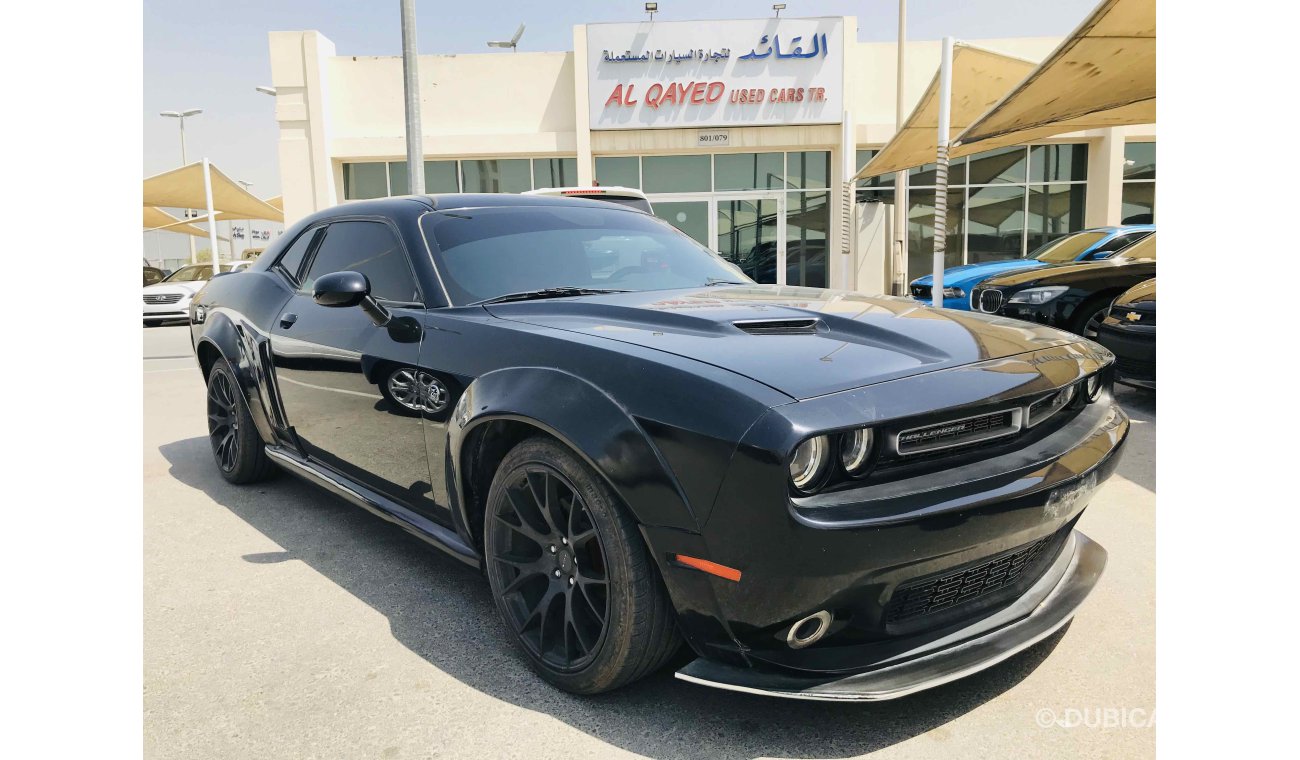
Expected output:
(291, 261)
(371, 249)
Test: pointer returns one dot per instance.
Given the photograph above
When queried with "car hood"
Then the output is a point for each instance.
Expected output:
(188, 288)
(855, 340)
(1065, 273)
(969, 274)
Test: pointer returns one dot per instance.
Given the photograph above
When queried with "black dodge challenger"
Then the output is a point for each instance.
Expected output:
(824, 495)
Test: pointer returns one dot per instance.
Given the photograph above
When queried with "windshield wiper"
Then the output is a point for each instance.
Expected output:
(560, 292)
(714, 281)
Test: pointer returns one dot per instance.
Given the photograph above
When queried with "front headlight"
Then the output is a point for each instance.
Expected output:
(1038, 295)
(855, 450)
(954, 293)
(1094, 387)
(809, 463)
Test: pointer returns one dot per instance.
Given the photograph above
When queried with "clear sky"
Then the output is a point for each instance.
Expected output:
(210, 55)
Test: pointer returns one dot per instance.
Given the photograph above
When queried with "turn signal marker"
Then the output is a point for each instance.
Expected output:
(712, 568)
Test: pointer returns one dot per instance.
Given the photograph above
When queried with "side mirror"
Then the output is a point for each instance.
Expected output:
(349, 289)
(341, 289)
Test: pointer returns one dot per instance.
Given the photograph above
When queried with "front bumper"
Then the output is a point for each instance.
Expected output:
(1135, 353)
(981, 645)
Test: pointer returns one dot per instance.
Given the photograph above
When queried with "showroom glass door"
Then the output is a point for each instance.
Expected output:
(747, 229)
(750, 233)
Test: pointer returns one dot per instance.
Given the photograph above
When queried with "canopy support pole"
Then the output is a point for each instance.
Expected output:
(212, 225)
(941, 172)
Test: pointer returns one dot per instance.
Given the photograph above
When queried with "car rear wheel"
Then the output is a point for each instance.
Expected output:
(236, 445)
(570, 574)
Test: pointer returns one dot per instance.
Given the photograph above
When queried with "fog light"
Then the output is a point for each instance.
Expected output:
(808, 463)
(855, 450)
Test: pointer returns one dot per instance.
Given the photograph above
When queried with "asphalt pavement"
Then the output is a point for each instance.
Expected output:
(281, 622)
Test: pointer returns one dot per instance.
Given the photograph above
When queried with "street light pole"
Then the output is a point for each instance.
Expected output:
(180, 116)
(230, 227)
(411, 85)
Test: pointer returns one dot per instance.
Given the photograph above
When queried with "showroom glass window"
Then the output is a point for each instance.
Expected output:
(1138, 203)
(380, 179)
(370, 248)
(1001, 203)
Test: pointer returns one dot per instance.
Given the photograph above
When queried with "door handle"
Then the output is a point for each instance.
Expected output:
(287, 320)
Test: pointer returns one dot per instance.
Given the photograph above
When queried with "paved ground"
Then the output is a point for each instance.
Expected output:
(283, 623)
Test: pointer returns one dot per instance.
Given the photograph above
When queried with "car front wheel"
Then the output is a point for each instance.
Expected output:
(236, 445)
(570, 573)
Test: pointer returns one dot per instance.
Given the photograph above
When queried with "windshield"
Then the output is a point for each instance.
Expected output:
(1068, 248)
(191, 273)
(489, 252)
(1143, 249)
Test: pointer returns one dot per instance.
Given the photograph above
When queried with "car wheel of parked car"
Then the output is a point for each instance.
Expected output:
(1088, 317)
(236, 446)
(570, 574)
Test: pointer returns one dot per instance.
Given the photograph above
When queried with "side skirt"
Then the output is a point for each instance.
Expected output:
(414, 523)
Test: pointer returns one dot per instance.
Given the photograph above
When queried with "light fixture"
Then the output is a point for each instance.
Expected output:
(652, 8)
(512, 43)
(778, 8)
(182, 114)
(265, 90)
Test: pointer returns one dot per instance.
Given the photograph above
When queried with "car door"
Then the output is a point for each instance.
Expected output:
(348, 385)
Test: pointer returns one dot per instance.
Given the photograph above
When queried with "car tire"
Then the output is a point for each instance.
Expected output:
(236, 445)
(615, 621)
(1088, 315)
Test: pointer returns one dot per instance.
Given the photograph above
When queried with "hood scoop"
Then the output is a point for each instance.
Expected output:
(792, 326)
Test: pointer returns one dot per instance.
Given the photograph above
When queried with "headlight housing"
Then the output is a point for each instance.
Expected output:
(1093, 387)
(1038, 295)
(954, 293)
(808, 463)
(855, 450)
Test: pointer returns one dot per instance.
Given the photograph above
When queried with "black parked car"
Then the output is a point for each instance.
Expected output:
(825, 495)
(1074, 297)
(1129, 330)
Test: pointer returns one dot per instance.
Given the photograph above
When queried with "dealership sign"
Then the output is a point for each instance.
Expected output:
(752, 72)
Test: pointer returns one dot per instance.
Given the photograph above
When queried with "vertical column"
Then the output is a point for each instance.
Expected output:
(582, 117)
(298, 73)
(1103, 205)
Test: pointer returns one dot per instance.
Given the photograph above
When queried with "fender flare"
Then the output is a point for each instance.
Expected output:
(584, 418)
(248, 354)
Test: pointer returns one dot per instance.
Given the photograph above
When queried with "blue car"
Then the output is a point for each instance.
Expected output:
(1085, 245)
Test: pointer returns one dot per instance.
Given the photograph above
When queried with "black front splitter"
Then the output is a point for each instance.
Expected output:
(1084, 562)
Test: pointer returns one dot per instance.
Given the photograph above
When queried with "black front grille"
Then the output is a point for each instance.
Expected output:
(965, 584)
(1136, 368)
(921, 291)
(987, 300)
(958, 432)
(154, 298)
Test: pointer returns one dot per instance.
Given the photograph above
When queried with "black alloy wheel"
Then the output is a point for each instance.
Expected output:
(236, 445)
(570, 573)
(223, 421)
(549, 554)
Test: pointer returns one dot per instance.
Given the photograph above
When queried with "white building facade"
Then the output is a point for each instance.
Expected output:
(743, 133)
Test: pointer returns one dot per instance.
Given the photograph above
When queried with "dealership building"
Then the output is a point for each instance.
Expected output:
(743, 133)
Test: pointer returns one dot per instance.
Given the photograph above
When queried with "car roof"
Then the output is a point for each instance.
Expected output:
(452, 201)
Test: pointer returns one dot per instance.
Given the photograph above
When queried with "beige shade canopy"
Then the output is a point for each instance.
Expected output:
(157, 219)
(184, 188)
(1102, 75)
(979, 79)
